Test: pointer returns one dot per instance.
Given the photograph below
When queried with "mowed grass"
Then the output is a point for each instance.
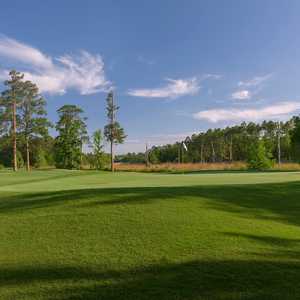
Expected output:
(94, 235)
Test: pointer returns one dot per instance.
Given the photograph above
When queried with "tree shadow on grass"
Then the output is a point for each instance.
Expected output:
(275, 201)
(29, 179)
(188, 280)
(267, 240)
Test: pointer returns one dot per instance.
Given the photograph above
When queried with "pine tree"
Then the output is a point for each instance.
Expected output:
(9, 104)
(259, 158)
(113, 131)
(98, 149)
(32, 116)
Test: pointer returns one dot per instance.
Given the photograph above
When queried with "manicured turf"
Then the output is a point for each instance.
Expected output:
(87, 235)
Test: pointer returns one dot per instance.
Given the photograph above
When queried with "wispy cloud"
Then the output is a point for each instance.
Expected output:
(250, 87)
(142, 59)
(175, 88)
(241, 95)
(256, 81)
(83, 72)
(276, 111)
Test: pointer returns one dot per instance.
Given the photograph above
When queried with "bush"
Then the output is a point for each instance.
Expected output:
(259, 158)
(41, 161)
(20, 160)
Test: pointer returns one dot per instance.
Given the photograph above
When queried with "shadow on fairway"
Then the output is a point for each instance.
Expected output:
(190, 281)
(267, 240)
(48, 178)
(275, 201)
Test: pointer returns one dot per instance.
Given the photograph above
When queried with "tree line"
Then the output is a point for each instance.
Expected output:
(24, 131)
(263, 143)
(25, 139)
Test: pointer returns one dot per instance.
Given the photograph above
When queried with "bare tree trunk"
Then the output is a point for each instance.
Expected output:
(230, 150)
(213, 152)
(27, 155)
(14, 136)
(147, 156)
(112, 163)
(179, 154)
(279, 145)
(201, 153)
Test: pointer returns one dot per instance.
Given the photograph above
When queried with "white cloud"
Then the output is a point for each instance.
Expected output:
(83, 72)
(174, 89)
(241, 95)
(258, 80)
(275, 111)
(15, 50)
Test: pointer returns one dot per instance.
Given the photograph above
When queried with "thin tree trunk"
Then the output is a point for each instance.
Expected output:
(230, 150)
(213, 152)
(14, 136)
(182, 154)
(201, 153)
(27, 155)
(279, 146)
(179, 155)
(112, 164)
(147, 156)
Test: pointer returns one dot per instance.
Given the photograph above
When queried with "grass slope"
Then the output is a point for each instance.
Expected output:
(87, 235)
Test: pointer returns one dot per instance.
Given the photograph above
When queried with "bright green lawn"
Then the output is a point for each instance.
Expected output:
(87, 235)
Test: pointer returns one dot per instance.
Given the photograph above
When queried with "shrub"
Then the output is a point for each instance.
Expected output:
(259, 158)
(20, 160)
(41, 161)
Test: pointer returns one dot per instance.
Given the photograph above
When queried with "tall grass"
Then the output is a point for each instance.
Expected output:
(194, 167)
(184, 167)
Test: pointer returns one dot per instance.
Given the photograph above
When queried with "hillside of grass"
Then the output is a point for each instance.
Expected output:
(95, 235)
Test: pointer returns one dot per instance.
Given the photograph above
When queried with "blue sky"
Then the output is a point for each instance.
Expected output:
(177, 67)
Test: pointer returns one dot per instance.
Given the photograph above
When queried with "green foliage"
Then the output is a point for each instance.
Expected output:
(13, 93)
(5, 151)
(154, 156)
(20, 160)
(72, 134)
(229, 144)
(98, 153)
(295, 139)
(113, 131)
(131, 158)
(259, 158)
(41, 159)
(32, 116)
(33, 112)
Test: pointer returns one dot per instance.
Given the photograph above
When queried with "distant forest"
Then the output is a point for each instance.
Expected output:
(281, 142)
(25, 140)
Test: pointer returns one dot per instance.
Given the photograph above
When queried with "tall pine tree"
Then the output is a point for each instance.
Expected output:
(10, 102)
(33, 122)
(113, 131)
